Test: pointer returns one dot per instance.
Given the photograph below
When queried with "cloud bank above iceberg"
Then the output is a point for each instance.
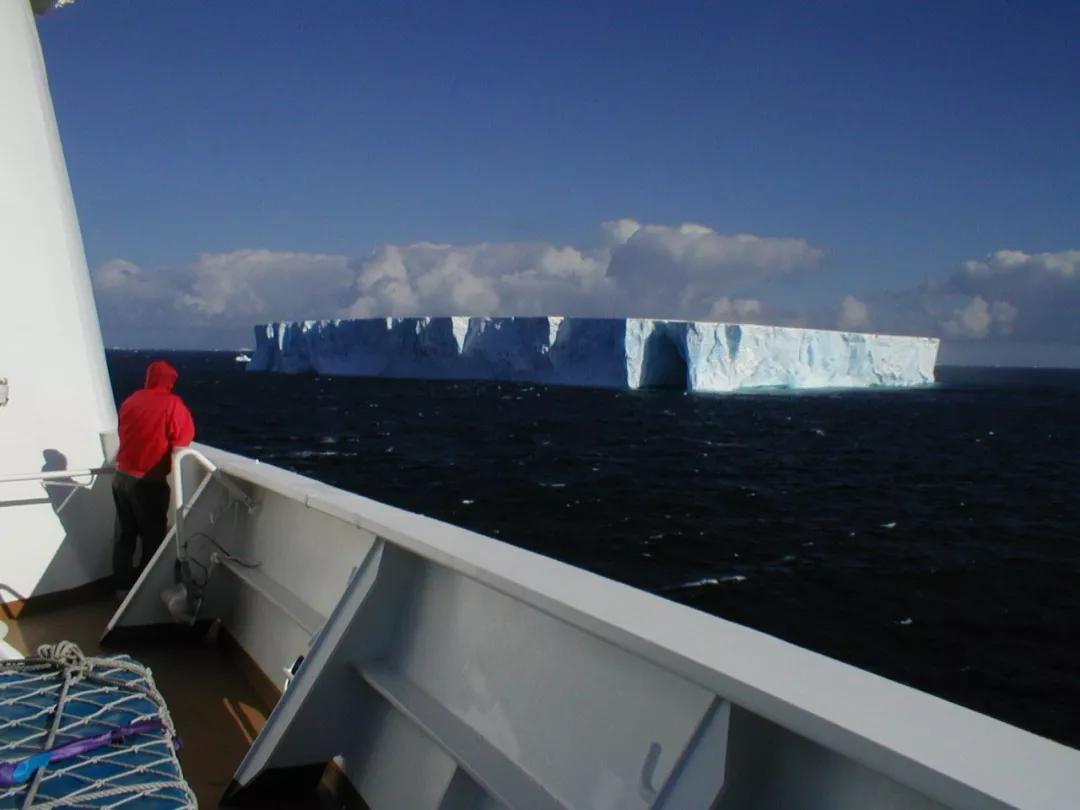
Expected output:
(1008, 295)
(687, 271)
(684, 271)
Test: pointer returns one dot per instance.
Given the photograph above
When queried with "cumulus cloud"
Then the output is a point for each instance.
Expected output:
(264, 284)
(217, 297)
(1033, 297)
(618, 231)
(741, 309)
(854, 314)
(1036, 295)
(634, 269)
(517, 278)
(682, 271)
(677, 271)
(977, 319)
(1064, 265)
(665, 271)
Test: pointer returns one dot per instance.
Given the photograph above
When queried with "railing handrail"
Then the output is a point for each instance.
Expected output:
(53, 474)
(180, 453)
(182, 505)
(921, 741)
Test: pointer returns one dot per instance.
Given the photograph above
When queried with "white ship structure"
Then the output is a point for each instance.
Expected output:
(428, 667)
(698, 356)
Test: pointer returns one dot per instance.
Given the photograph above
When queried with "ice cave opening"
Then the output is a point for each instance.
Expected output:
(663, 364)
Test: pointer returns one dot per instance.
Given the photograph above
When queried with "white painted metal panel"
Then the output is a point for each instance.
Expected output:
(59, 399)
(577, 712)
(921, 744)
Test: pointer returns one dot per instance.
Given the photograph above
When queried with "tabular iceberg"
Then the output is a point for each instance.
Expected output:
(600, 352)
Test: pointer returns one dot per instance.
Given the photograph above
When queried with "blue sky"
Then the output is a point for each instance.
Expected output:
(903, 143)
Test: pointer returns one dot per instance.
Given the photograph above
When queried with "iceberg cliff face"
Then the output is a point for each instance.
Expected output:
(600, 352)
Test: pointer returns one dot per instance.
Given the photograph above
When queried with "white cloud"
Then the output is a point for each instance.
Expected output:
(687, 271)
(970, 321)
(1064, 264)
(1032, 297)
(264, 284)
(619, 231)
(978, 319)
(741, 309)
(667, 271)
(1004, 315)
(526, 278)
(218, 294)
(1035, 296)
(681, 271)
(854, 314)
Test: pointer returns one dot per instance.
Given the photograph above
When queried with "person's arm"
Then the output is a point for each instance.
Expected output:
(180, 427)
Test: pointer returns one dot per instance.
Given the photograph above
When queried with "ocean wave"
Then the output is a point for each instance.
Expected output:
(706, 581)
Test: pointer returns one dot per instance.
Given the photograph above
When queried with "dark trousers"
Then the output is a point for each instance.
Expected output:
(142, 508)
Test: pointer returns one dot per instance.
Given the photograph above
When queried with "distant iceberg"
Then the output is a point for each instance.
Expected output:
(624, 353)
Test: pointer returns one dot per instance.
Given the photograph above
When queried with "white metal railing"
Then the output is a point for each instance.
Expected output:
(175, 536)
(295, 608)
(184, 506)
(60, 478)
(933, 747)
(51, 475)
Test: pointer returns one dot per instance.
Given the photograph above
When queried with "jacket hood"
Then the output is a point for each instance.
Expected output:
(162, 375)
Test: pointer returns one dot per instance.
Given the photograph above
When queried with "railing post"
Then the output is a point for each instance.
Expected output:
(183, 506)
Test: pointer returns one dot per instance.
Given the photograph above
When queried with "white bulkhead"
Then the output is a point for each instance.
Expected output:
(59, 412)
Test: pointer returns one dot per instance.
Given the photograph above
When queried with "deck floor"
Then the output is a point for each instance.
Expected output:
(217, 712)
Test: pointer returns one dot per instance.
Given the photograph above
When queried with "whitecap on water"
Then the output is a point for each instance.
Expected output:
(705, 581)
(316, 454)
(698, 583)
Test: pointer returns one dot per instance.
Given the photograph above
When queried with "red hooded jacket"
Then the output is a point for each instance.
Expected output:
(152, 422)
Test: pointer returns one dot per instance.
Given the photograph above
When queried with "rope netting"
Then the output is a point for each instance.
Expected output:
(103, 724)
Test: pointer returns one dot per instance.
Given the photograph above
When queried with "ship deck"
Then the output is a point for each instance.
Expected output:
(216, 708)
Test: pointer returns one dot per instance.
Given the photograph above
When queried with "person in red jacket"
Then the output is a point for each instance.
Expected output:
(153, 421)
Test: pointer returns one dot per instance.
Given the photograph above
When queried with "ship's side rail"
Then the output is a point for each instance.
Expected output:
(455, 670)
(60, 479)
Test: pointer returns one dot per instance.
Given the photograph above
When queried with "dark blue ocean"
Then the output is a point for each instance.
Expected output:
(929, 535)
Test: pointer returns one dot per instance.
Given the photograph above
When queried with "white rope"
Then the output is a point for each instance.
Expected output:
(84, 697)
(65, 654)
(143, 790)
